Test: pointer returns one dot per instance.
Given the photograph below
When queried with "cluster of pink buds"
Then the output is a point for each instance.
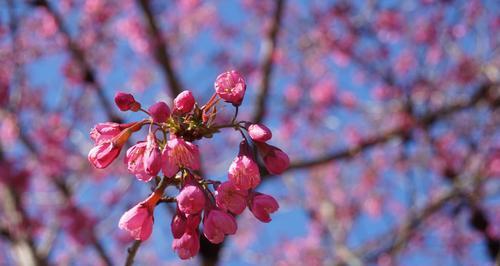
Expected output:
(169, 148)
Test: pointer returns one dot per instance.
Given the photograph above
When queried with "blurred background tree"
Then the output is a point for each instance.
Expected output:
(388, 110)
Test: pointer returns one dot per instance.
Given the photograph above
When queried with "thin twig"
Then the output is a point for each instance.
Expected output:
(132, 251)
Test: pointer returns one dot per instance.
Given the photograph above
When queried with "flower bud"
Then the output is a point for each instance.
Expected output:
(152, 156)
(230, 86)
(138, 221)
(231, 199)
(125, 102)
(275, 160)
(159, 112)
(187, 246)
(261, 205)
(259, 132)
(184, 102)
(191, 199)
(135, 161)
(217, 224)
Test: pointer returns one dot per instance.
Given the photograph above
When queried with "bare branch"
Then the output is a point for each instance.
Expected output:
(132, 251)
(269, 45)
(161, 49)
(425, 121)
(79, 56)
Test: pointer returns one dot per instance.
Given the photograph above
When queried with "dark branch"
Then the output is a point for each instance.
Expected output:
(161, 49)
(132, 251)
(269, 47)
(427, 120)
(79, 56)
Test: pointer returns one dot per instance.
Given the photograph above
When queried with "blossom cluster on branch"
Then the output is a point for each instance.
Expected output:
(169, 148)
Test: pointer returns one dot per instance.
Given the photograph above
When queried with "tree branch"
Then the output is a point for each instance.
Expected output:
(79, 56)
(161, 49)
(425, 121)
(132, 251)
(269, 45)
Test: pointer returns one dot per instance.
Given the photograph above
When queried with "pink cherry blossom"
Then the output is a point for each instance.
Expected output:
(135, 161)
(152, 156)
(184, 102)
(244, 173)
(159, 112)
(228, 198)
(275, 160)
(262, 205)
(179, 153)
(191, 199)
(259, 132)
(138, 221)
(178, 224)
(125, 102)
(102, 155)
(187, 246)
(230, 86)
(104, 131)
(217, 224)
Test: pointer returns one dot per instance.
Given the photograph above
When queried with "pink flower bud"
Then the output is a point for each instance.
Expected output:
(191, 199)
(135, 161)
(230, 199)
(152, 156)
(102, 155)
(187, 246)
(217, 224)
(262, 205)
(275, 160)
(106, 151)
(125, 101)
(178, 224)
(230, 86)
(184, 102)
(244, 173)
(104, 131)
(159, 112)
(138, 221)
(179, 153)
(259, 132)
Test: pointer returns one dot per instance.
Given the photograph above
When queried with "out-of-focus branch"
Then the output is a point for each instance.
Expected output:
(408, 228)
(64, 188)
(22, 244)
(132, 251)
(79, 56)
(160, 47)
(269, 45)
(483, 93)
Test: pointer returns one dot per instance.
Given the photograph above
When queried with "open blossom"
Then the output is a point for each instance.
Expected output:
(138, 221)
(217, 224)
(179, 153)
(184, 102)
(259, 132)
(125, 102)
(104, 131)
(231, 199)
(188, 245)
(159, 112)
(191, 199)
(262, 205)
(152, 156)
(135, 161)
(230, 86)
